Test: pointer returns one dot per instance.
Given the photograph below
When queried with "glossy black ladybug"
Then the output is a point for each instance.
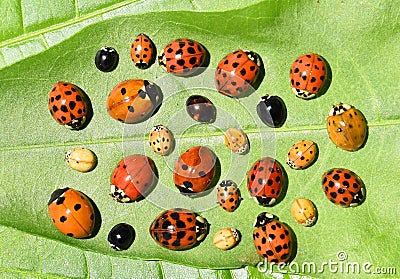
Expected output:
(106, 59)
(201, 109)
(121, 236)
(272, 111)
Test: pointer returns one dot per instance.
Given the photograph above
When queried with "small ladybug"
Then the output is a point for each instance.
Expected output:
(194, 170)
(121, 236)
(226, 239)
(304, 212)
(106, 59)
(343, 187)
(272, 111)
(161, 140)
(347, 127)
(228, 195)
(68, 105)
(272, 238)
(308, 75)
(183, 57)
(201, 109)
(81, 159)
(178, 229)
(237, 72)
(302, 154)
(143, 51)
(236, 140)
(72, 212)
(134, 101)
(266, 181)
(133, 178)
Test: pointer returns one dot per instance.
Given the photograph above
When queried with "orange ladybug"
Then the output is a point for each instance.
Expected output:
(347, 127)
(308, 75)
(143, 51)
(228, 195)
(72, 212)
(302, 154)
(134, 101)
(304, 212)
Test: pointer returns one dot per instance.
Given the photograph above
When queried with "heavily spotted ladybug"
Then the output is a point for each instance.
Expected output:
(272, 238)
(302, 154)
(347, 127)
(183, 57)
(161, 140)
(194, 170)
(308, 75)
(143, 51)
(228, 195)
(72, 212)
(237, 73)
(343, 187)
(68, 105)
(178, 229)
(134, 101)
(266, 181)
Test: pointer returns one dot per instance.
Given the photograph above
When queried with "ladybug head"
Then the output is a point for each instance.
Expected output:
(264, 218)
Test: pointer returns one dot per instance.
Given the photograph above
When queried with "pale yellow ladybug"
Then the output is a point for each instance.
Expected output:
(161, 140)
(302, 154)
(304, 212)
(81, 159)
(226, 238)
(236, 140)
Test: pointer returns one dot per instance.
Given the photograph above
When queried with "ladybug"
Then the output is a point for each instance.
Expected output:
(178, 229)
(68, 105)
(228, 195)
(343, 187)
(308, 75)
(302, 154)
(143, 51)
(72, 212)
(236, 140)
(347, 127)
(121, 236)
(161, 140)
(226, 239)
(272, 238)
(133, 178)
(201, 109)
(194, 170)
(237, 72)
(183, 57)
(272, 111)
(266, 181)
(134, 101)
(304, 212)
(106, 59)
(81, 159)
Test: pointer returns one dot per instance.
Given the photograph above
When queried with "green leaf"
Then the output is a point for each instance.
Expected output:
(359, 40)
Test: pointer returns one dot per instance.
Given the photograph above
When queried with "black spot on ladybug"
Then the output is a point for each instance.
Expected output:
(333, 194)
(64, 108)
(192, 60)
(77, 207)
(166, 236)
(72, 105)
(202, 174)
(78, 98)
(60, 200)
(180, 62)
(187, 184)
(278, 248)
(243, 71)
(336, 176)
(131, 109)
(70, 234)
(63, 219)
(68, 93)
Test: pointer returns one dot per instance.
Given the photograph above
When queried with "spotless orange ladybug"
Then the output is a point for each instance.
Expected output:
(183, 57)
(194, 170)
(343, 187)
(237, 72)
(178, 229)
(134, 101)
(304, 212)
(308, 75)
(226, 238)
(228, 195)
(266, 181)
(143, 51)
(133, 178)
(272, 238)
(72, 212)
(68, 105)
(347, 127)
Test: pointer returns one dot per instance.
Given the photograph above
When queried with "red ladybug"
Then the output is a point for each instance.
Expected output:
(194, 170)
(272, 239)
(343, 187)
(266, 181)
(237, 73)
(178, 229)
(133, 178)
